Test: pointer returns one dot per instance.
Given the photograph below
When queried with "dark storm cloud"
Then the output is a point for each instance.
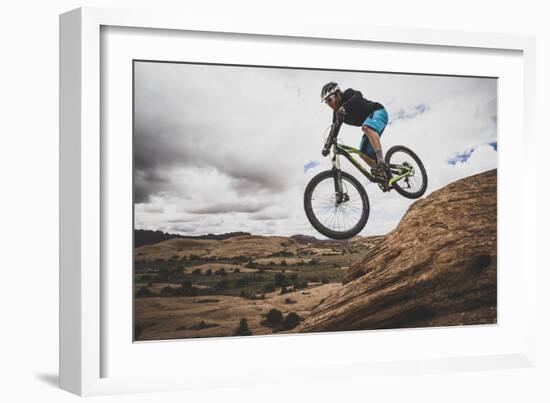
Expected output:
(222, 207)
(246, 179)
(146, 183)
(182, 229)
(178, 220)
(267, 216)
(165, 140)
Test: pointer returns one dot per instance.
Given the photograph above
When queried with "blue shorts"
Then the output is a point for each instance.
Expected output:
(376, 121)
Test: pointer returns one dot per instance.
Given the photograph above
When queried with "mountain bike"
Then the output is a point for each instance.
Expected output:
(336, 203)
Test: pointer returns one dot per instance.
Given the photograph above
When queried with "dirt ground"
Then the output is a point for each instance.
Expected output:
(180, 317)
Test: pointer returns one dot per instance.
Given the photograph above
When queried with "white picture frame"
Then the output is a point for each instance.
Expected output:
(84, 307)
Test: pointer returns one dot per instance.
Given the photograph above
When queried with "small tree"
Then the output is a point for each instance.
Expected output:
(243, 329)
(196, 272)
(209, 272)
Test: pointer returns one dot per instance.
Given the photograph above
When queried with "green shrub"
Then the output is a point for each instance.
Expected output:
(243, 282)
(274, 316)
(221, 272)
(291, 321)
(144, 293)
(269, 287)
(186, 292)
(167, 291)
(138, 330)
(222, 284)
(299, 285)
(281, 280)
(203, 325)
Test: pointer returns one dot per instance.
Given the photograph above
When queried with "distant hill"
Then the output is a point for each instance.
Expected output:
(147, 237)
(304, 239)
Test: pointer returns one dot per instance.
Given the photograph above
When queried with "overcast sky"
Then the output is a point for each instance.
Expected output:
(228, 148)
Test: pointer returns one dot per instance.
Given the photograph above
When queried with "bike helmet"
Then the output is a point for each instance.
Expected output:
(328, 90)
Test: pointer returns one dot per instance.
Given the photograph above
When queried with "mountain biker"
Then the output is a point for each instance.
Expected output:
(372, 117)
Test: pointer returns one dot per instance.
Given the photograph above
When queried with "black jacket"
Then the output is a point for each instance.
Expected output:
(357, 108)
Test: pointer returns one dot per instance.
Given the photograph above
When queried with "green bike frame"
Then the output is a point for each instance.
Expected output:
(398, 171)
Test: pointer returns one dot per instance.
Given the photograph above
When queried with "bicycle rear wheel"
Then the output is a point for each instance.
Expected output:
(332, 218)
(409, 177)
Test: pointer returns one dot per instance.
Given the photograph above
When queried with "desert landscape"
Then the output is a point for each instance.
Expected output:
(204, 287)
(436, 268)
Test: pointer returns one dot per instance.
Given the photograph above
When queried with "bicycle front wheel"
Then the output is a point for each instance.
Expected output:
(337, 219)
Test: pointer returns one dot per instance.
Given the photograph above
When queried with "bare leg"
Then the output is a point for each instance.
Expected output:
(371, 162)
(375, 141)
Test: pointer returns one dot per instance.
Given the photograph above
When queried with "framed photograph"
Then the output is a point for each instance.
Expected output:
(328, 199)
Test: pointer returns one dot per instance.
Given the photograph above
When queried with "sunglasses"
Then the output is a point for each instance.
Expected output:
(329, 98)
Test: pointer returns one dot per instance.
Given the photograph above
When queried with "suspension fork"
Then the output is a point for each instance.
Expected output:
(338, 188)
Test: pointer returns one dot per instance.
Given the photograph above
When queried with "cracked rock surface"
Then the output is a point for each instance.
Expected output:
(438, 267)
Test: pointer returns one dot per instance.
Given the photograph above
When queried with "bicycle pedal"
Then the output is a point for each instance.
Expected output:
(385, 188)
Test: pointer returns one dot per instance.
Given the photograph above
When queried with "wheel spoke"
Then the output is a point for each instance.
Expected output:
(403, 161)
(339, 218)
